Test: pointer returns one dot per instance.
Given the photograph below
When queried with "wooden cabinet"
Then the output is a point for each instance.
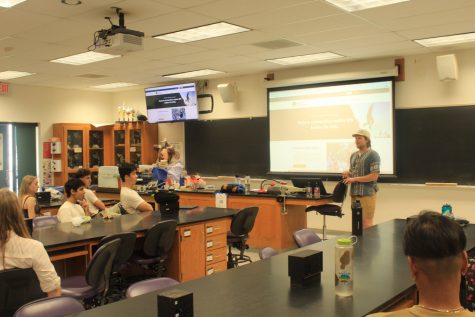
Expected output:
(199, 250)
(82, 146)
(133, 142)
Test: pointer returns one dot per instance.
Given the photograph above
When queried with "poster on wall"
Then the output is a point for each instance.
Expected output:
(1, 151)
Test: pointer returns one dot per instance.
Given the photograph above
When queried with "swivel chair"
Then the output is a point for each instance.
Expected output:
(50, 307)
(304, 237)
(339, 195)
(241, 225)
(43, 221)
(93, 287)
(18, 287)
(267, 252)
(151, 285)
(125, 251)
(158, 242)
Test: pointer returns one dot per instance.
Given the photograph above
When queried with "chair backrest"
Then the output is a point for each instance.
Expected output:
(159, 239)
(304, 237)
(151, 285)
(339, 192)
(18, 287)
(100, 268)
(50, 307)
(243, 221)
(127, 244)
(43, 221)
(267, 252)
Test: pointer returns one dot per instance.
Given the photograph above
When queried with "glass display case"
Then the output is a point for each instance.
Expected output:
(119, 147)
(75, 146)
(135, 146)
(96, 149)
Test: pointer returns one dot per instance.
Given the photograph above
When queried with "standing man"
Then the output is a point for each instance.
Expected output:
(363, 175)
(129, 198)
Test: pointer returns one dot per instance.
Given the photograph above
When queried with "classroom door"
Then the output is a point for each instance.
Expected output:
(5, 156)
(18, 153)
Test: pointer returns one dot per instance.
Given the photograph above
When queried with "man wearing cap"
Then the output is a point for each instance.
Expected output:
(363, 174)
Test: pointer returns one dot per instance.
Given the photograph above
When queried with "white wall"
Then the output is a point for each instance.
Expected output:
(47, 105)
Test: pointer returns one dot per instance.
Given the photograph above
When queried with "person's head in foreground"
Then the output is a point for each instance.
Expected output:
(435, 248)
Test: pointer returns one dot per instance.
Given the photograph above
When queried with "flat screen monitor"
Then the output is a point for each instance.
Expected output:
(303, 182)
(172, 103)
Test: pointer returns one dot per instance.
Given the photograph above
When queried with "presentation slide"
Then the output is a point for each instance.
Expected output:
(311, 128)
(171, 103)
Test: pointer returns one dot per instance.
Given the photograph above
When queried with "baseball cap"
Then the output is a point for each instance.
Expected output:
(362, 132)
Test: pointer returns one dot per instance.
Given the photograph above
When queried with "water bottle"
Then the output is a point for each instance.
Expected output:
(344, 266)
(316, 192)
(309, 191)
(356, 218)
(247, 184)
(447, 210)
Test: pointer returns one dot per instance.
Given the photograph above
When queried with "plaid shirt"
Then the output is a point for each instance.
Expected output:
(362, 165)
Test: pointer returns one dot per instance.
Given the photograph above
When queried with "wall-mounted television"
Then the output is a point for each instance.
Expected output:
(171, 103)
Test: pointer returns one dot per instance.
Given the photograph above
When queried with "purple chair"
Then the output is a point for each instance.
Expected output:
(93, 287)
(151, 285)
(158, 242)
(241, 225)
(304, 237)
(50, 307)
(267, 252)
(43, 221)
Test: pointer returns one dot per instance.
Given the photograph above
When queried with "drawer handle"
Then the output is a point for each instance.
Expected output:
(209, 258)
(209, 244)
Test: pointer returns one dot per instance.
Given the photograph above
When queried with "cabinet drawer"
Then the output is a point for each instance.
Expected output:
(215, 256)
(216, 267)
(216, 227)
(215, 242)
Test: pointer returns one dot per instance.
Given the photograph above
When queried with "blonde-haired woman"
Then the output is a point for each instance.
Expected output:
(19, 250)
(28, 202)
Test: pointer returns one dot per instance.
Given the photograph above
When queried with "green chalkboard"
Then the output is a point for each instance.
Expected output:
(228, 147)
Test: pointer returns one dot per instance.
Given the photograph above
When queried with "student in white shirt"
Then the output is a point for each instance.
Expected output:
(70, 209)
(94, 203)
(129, 198)
(18, 250)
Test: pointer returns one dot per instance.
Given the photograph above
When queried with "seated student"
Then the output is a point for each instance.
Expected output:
(19, 250)
(70, 209)
(28, 202)
(94, 203)
(129, 198)
(435, 249)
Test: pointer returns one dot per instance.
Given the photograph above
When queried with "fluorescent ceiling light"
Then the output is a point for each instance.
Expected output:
(11, 74)
(304, 58)
(202, 32)
(10, 3)
(195, 73)
(447, 40)
(356, 5)
(84, 58)
(114, 85)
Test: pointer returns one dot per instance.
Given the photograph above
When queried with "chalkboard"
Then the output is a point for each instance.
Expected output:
(436, 145)
(228, 147)
(432, 145)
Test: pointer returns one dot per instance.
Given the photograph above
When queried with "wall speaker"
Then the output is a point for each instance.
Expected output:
(447, 67)
(227, 92)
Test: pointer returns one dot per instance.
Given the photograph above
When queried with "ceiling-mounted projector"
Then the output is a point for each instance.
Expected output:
(118, 40)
